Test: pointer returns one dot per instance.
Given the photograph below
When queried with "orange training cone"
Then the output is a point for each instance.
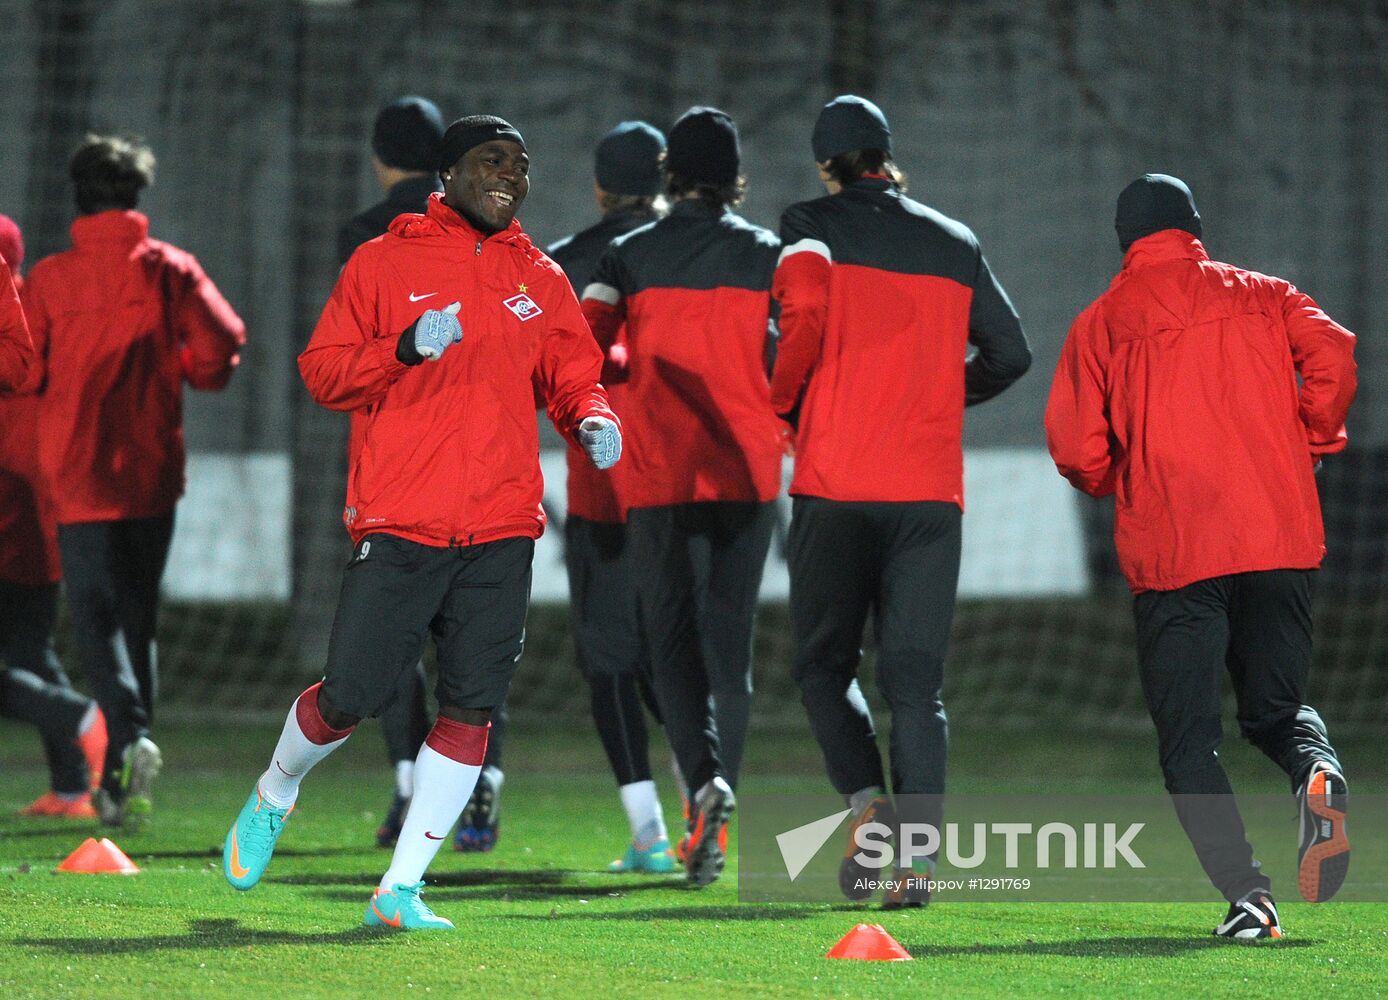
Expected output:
(871, 943)
(98, 856)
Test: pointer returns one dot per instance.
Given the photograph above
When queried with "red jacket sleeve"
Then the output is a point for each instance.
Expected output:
(210, 332)
(566, 374)
(20, 369)
(1077, 427)
(604, 307)
(347, 365)
(1323, 352)
(801, 286)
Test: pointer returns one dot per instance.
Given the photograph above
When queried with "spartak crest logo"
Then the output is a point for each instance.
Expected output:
(523, 306)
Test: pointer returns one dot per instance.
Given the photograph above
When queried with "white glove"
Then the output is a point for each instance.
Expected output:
(602, 440)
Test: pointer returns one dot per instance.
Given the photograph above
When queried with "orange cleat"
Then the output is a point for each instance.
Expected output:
(92, 743)
(51, 804)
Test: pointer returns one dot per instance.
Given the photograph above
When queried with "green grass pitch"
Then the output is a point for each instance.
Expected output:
(539, 917)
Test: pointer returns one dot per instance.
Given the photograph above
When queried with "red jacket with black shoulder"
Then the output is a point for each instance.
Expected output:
(694, 292)
(1177, 391)
(881, 298)
(121, 322)
(595, 494)
(447, 452)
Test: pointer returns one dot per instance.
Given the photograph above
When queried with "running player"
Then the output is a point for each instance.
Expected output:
(440, 334)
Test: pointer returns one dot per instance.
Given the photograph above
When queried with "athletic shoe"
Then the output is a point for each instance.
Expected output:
(92, 743)
(479, 826)
(682, 848)
(401, 908)
(1252, 917)
(1324, 846)
(52, 804)
(389, 830)
(251, 840)
(908, 889)
(855, 880)
(708, 832)
(654, 858)
(128, 799)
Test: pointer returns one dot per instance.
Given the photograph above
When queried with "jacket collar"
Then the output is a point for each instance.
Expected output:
(452, 224)
(698, 208)
(122, 227)
(1165, 245)
(871, 182)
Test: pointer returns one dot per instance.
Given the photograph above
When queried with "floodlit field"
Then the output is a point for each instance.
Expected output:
(539, 917)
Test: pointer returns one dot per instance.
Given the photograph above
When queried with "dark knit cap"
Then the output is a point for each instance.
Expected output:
(472, 131)
(704, 147)
(1152, 203)
(849, 123)
(407, 134)
(628, 159)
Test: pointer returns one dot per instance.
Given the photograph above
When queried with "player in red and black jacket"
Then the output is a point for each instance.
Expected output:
(881, 298)
(694, 292)
(627, 186)
(1201, 395)
(34, 688)
(122, 322)
(439, 335)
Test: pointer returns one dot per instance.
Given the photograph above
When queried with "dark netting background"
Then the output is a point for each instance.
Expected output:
(1023, 120)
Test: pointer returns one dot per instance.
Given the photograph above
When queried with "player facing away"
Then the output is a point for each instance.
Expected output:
(440, 334)
(881, 298)
(122, 322)
(33, 686)
(693, 290)
(1201, 395)
(627, 187)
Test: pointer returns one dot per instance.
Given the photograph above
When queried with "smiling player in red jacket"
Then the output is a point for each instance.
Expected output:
(440, 335)
(1200, 395)
(122, 322)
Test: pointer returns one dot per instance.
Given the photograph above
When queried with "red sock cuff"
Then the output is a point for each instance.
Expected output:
(459, 741)
(311, 721)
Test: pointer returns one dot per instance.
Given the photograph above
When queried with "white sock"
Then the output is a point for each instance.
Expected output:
(443, 782)
(297, 751)
(404, 778)
(642, 804)
(494, 778)
(88, 720)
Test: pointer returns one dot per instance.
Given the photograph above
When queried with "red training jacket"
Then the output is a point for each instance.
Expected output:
(447, 452)
(1177, 390)
(694, 292)
(881, 297)
(28, 534)
(121, 322)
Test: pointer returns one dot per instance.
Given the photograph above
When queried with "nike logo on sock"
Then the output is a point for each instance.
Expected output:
(431, 836)
(288, 774)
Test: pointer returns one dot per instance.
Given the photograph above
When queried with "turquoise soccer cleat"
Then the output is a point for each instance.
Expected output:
(251, 841)
(400, 908)
(655, 858)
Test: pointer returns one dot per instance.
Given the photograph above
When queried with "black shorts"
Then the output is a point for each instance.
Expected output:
(394, 591)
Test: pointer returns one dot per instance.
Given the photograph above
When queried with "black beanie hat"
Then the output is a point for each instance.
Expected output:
(704, 147)
(1152, 203)
(472, 131)
(407, 134)
(628, 159)
(849, 123)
